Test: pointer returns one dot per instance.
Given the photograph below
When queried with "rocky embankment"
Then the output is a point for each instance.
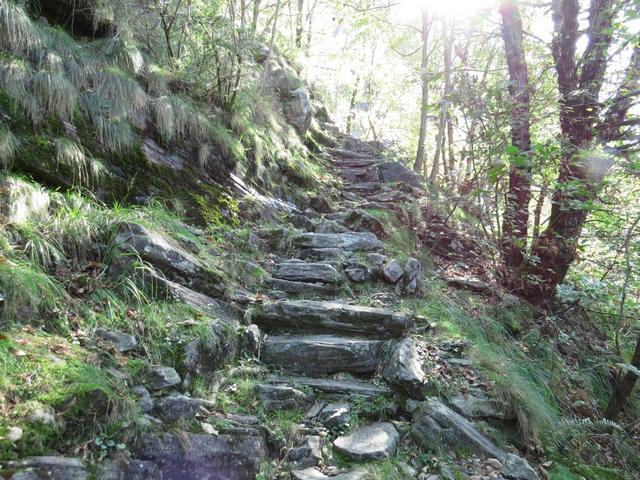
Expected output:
(316, 350)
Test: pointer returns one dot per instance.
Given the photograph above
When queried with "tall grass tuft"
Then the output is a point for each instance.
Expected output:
(8, 145)
(85, 170)
(55, 92)
(17, 32)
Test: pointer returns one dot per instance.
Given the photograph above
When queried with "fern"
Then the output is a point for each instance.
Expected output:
(569, 429)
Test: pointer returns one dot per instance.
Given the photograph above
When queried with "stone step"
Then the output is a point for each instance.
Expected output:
(303, 288)
(357, 175)
(330, 317)
(332, 387)
(358, 163)
(322, 354)
(343, 153)
(308, 272)
(351, 241)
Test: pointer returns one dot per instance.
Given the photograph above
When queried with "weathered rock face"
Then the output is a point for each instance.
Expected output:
(122, 342)
(360, 273)
(163, 377)
(318, 316)
(374, 442)
(322, 354)
(307, 454)
(404, 368)
(52, 468)
(221, 457)
(316, 289)
(396, 172)
(335, 387)
(307, 272)
(169, 257)
(282, 397)
(214, 350)
(357, 241)
(175, 406)
(413, 275)
(478, 405)
(298, 110)
(331, 415)
(392, 272)
(435, 426)
(361, 221)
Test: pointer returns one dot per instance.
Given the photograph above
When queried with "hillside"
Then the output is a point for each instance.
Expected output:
(202, 276)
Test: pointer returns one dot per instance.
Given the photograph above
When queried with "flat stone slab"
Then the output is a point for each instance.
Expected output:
(336, 387)
(308, 272)
(321, 316)
(313, 474)
(373, 442)
(405, 369)
(288, 286)
(211, 457)
(322, 354)
(352, 241)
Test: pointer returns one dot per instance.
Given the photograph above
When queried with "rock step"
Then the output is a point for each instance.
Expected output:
(351, 241)
(358, 163)
(322, 354)
(332, 387)
(330, 317)
(353, 175)
(343, 153)
(308, 272)
(315, 289)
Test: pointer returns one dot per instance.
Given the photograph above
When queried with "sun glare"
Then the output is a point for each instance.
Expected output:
(448, 8)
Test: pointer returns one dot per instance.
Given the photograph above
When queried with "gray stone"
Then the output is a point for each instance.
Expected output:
(361, 221)
(213, 351)
(392, 272)
(334, 387)
(123, 342)
(396, 172)
(315, 289)
(335, 254)
(37, 412)
(46, 467)
(330, 226)
(176, 406)
(163, 377)
(256, 243)
(282, 397)
(307, 454)
(145, 402)
(413, 275)
(436, 427)
(313, 474)
(298, 110)
(356, 241)
(405, 369)
(469, 283)
(376, 260)
(360, 273)
(322, 354)
(477, 405)
(319, 316)
(252, 340)
(331, 415)
(127, 470)
(169, 257)
(308, 272)
(374, 442)
(321, 204)
(211, 457)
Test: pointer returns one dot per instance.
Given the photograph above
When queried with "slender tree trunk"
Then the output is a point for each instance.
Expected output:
(255, 16)
(537, 213)
(352, 106)
(418, 166)
(299, 23)
(515, 221)
(448, 47)
(435, 167)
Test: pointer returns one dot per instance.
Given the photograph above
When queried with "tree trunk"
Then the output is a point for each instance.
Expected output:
(537, 213)
(515, 221)
(424, 105)
(255, 16)
(352, 106)
(299, 23)
(435, 167)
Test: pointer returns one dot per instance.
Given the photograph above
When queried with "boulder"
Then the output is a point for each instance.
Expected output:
(322, 354)
(282, 397)
(392, 272)
(308, 272)
(355, 241)
(145, 402)
(176, 406)
(213, 350)
(413, 275)
(46, 467)
(298, 110)
(320, 316)
(374, 442)
(307, 454)
(437, 427)
(163, 377)
(393, 172)
(477, 405)
(211, 457)
(404, 368)
(122, 342)
(360, 273)
(252, 339)
(165, 254)
(331, 415)
(361, 221)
